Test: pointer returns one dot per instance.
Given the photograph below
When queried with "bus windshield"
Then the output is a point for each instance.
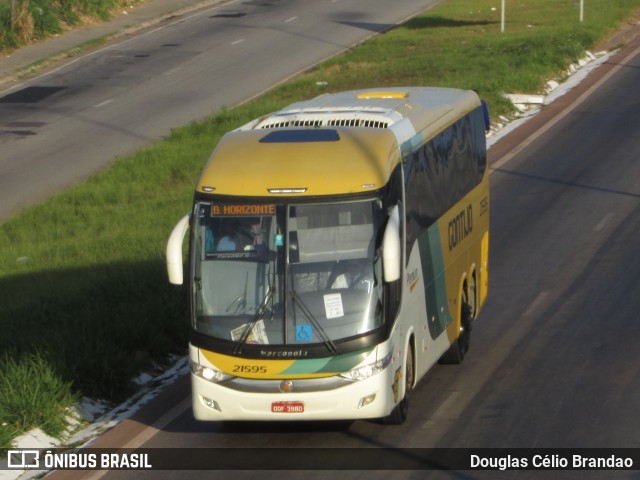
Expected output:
(286, 274)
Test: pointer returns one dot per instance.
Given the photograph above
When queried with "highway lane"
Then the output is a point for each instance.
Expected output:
(66, 125)
(554, 357)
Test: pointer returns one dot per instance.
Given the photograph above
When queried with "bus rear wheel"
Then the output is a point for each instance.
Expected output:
(401, 411)
(458, 349)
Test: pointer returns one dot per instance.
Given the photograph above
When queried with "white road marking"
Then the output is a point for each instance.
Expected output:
(149, 432)
(604, 222)
(458, 400)
(172, 71)
(445, 412)
(535, 304)
(102, 104)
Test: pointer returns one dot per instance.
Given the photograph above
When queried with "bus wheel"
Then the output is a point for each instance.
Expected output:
(399, 414)
(458, 349)
(473, 296)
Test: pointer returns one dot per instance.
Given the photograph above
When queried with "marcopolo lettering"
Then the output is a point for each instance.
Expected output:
(460, 227)
(283, 354)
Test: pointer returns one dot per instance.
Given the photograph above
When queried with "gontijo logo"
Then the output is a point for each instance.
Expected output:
(460, 227)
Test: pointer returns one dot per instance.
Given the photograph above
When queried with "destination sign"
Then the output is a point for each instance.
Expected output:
(239, 210)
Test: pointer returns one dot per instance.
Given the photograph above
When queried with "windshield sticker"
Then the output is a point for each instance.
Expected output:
(238, 210)
(258, 334)
(333, 305)
(278, 240)
(304, 333)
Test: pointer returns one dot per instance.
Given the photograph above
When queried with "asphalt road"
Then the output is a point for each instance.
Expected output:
(554, 356)
(66, 125)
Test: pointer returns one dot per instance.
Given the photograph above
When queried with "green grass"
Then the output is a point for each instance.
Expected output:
(85, 304)
(26, 404)
(32, 20)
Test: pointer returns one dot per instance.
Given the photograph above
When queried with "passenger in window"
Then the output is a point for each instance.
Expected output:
(227, 242)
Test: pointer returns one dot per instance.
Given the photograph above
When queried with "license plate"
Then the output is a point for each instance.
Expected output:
(287, 407)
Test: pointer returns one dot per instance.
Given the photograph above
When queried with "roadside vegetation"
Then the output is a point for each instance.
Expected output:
(26, 21)
(85, 304)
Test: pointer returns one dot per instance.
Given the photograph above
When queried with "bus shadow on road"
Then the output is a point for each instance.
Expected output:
(286, 427)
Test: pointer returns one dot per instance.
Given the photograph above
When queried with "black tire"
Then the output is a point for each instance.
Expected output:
(401, 411)
(473, 298)
(458, 349)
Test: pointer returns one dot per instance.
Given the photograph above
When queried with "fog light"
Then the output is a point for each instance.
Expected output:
(211, 403)
(364, 401)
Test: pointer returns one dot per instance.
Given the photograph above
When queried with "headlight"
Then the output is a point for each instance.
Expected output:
(208, 373)
(366, 371)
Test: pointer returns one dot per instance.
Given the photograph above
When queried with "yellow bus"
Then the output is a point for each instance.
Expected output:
(338, 250)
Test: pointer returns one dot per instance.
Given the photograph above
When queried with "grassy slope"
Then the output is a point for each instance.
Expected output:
(84, 300)
(25, 21)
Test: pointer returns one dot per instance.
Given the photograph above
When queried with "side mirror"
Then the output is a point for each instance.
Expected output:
(391, 247)
(174, 250)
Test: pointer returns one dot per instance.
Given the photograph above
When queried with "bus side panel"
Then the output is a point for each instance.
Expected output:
(464, 234)
(447, 220)
(425, 291)
(435, 287)
(484, 270)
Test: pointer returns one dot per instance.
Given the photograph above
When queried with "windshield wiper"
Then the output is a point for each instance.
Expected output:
(271, 275)
(307, 313)
(237, 349)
